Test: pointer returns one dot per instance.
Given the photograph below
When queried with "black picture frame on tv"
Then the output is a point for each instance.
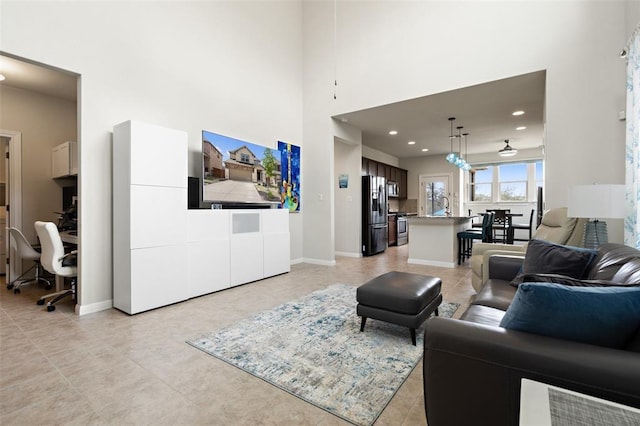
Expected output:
(239, 174)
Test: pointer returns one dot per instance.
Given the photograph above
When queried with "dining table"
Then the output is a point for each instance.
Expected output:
(510, 231)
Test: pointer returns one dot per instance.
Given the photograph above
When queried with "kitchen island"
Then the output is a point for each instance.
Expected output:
(434, 239)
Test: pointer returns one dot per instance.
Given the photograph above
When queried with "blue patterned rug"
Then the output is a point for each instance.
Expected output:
(313, 349)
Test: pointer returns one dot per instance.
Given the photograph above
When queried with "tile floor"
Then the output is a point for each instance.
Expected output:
(112, 368)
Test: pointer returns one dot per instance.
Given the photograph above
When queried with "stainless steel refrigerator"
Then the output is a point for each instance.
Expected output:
(375, 231)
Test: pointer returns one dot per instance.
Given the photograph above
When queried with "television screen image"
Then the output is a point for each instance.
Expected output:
(236, 171)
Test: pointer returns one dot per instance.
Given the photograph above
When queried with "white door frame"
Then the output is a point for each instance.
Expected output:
(14, 217)
(446, 176)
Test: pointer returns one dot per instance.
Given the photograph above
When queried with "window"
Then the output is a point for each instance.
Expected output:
(513, 182)
(539, 174)
(505, 182)
(244, 158)
(481, 183)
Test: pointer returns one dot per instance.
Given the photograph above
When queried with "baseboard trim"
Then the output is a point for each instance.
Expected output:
(431, 263)
(297, 261)
(348, 254)
(320, 262)
(93, 307)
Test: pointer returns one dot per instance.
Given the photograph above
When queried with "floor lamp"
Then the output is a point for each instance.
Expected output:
(596, 202)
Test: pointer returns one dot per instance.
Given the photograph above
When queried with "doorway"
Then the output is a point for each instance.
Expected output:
(434, 198)
(45, 110)
(11, 145)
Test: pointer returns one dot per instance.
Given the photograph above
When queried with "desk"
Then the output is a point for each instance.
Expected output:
(70, 237)
(542, 405)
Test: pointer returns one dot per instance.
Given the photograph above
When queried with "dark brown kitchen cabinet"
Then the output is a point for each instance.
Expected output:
(402, 184)
(392, 174)
(373, 168)
(381, 170)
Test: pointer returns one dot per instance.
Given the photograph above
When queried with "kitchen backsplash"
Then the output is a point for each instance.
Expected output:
(410, 205)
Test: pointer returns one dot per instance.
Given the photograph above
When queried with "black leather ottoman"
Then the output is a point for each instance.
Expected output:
(400, 298)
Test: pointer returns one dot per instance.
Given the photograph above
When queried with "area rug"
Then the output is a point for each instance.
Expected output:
(313, 349)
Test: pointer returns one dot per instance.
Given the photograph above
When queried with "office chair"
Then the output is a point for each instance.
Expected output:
(26, 252)
(54, 260)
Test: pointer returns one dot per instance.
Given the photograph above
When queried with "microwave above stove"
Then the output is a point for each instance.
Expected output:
(392, 189)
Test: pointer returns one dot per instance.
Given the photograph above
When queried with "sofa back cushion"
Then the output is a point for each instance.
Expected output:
(543, 257)
(616, 260)
(555, 226)
(603, 316)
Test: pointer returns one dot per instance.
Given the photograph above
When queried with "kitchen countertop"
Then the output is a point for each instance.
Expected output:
(435, 219)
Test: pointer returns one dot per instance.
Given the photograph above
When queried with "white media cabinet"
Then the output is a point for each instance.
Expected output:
(164, 253)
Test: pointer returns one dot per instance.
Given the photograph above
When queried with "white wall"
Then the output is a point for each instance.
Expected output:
(347, 160)
(228, 67)
(44, 122)
(633, 16)
(238, 68)
(379, 156)
(391, 51)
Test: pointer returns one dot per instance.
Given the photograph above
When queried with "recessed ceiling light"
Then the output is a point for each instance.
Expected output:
(1, 77)
(425, 149)
(344, 120)
(393, 132)
(521, 128)
(411, 142)
(517, 113)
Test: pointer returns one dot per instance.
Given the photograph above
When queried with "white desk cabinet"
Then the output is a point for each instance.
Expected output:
(149, 216)
(64, 159)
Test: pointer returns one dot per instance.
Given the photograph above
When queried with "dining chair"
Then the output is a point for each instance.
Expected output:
(501, 222)
(54, 260)
(26, 251)
(526, 226)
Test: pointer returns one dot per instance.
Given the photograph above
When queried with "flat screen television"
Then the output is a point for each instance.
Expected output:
(239, 174)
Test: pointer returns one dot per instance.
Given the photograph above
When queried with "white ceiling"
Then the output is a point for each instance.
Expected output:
(37, 78)
(483, 110)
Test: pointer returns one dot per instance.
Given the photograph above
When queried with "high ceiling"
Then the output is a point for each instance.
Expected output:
(37, 78)
(485, 112)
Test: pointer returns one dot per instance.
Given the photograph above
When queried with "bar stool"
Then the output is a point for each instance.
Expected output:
(465, 238)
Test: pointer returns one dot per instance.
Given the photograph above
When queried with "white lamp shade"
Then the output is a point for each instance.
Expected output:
(597, 201)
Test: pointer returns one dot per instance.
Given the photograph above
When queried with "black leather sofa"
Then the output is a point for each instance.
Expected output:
(473, 367)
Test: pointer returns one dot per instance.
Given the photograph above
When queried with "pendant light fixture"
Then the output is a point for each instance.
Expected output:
(452, 156)
(507, 151)
(460, 160)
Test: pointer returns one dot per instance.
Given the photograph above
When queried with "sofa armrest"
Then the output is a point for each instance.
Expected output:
(481, 248)
(481, 367)
(487, 255)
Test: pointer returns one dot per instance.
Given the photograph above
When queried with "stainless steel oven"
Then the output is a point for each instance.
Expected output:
(403, 230)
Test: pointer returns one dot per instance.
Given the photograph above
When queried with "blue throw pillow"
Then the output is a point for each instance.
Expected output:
(603, 316)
